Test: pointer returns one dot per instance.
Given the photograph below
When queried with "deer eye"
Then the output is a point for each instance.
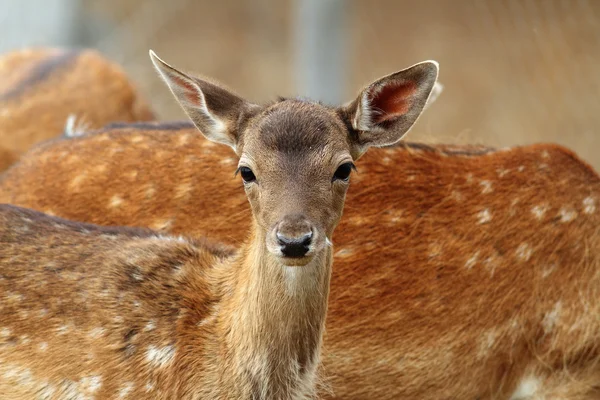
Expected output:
(247, 174)
(343, 172)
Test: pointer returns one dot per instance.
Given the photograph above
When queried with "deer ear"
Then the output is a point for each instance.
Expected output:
(215, 111)
(386, 109)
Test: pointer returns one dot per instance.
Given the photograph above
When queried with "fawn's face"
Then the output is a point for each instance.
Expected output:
(296, 157)
(295, 161)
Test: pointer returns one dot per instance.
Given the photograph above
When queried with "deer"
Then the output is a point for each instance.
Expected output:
(460, 271)
(132, 313)
(44, 88)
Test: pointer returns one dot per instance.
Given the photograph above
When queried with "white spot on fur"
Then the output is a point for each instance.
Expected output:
(487, 342)
(524, 252)
(43, 312)
(96, 333)
(469, 177)
(150, 191)
(76, 182)
(228, 161)
(502, 172)
(183, 190)
(62, 330)
(552, 317)
(386, 160)
(91, 384)
(132, 174)
(137, 139)
(43, 346)
(521, 168)
(149, 386)
(5, 332)
(160, 356)
(162, 224)
(484, 216)
(456, 195)
(526, 388)
(15, 297)
(24, 339)
(472, 261)
(589, 205)
(435, 250)
(539, 211)
(47, 392)
(548, 270)
(567, 215)
(125, 390)
(182, 140)
(150, 326)
(137, 275)
(545, 154)
(21, 375)
(486, 187)
(115, 201)
(490, 264)
(344, 253)
(394, 215)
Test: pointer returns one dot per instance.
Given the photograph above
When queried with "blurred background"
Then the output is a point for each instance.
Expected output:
(514, 72)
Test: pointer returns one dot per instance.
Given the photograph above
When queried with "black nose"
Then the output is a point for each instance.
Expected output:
(296, 246)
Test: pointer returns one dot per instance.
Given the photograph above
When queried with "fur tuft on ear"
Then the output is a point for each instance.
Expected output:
(214, 110)
(386, 109)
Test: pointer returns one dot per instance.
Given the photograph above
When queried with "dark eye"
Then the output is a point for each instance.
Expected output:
(247, 174)
(343, 172)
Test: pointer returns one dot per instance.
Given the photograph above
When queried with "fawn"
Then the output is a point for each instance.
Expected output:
(40, 88)
(460, 272)
(112, 312)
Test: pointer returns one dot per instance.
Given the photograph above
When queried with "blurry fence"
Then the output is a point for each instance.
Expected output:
(515, 71)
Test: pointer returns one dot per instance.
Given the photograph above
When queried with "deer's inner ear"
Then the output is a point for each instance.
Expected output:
(392, 101)
(386, 109)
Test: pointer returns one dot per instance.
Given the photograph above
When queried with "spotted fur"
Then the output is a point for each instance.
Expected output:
(443, 287)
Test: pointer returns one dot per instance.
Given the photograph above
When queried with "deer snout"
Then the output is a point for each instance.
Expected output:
(294, 236)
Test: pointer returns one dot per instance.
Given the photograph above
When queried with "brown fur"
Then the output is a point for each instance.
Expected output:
(247, 325)
(459, 272)
(41, 88)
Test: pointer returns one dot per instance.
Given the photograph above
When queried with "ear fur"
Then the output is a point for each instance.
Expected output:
(387, 108)
(214, 110)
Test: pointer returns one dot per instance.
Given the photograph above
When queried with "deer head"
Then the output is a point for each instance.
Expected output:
(296, 157)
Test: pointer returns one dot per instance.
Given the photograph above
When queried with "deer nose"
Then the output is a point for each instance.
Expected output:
(294, 236)
(294, 247)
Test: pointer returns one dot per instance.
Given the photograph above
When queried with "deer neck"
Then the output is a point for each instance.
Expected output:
(275, 320)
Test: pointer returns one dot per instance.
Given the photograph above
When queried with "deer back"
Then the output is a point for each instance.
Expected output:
(459, 271)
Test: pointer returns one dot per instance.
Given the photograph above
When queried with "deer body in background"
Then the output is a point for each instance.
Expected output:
(125, 313)
(459, 272)
(41, 88)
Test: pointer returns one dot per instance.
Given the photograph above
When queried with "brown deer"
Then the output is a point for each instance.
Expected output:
(114, 313)
(460, 272)
(41, 88)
